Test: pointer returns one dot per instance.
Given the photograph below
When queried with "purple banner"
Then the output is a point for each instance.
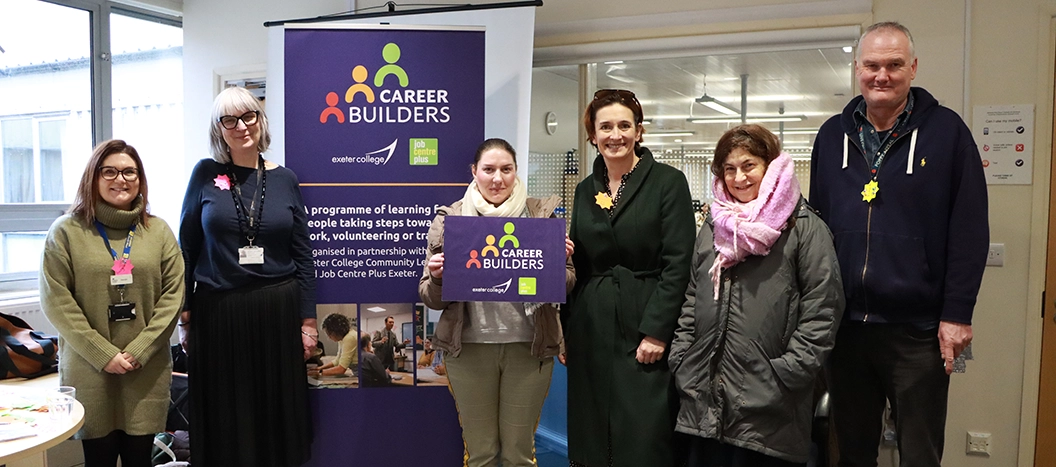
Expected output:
(504, 259)
(381, 127)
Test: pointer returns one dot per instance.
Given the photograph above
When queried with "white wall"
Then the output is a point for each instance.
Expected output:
(560, 95)
(225, 34)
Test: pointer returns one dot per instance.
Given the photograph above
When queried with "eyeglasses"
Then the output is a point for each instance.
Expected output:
(231, 121)
(130, 174)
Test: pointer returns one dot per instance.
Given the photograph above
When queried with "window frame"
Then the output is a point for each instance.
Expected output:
(38, 216)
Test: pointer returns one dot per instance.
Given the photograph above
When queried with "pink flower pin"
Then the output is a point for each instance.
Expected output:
(122, 267)
(222, 182)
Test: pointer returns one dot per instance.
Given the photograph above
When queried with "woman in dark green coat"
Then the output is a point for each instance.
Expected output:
(632, 224)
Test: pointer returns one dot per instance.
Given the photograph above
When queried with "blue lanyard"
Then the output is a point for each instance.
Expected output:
(128, 241)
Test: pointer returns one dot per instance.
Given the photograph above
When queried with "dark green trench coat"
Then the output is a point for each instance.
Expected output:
(632, 270)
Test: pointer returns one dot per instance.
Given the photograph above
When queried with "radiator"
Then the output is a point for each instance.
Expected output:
(29, 310)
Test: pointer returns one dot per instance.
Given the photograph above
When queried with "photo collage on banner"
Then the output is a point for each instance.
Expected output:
(381, 127)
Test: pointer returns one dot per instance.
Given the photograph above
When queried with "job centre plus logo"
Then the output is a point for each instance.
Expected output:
(388, 99)
(508, 255)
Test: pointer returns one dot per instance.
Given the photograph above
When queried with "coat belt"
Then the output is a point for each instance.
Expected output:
(629, 286)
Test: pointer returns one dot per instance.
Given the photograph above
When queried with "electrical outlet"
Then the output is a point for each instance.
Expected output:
(996, 255)
(978, 443)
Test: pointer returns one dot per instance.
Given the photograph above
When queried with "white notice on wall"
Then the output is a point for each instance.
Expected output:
(1005, 136)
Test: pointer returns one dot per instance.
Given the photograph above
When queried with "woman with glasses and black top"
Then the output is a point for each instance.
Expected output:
(111, 282)
(632, 224)
(250, 306)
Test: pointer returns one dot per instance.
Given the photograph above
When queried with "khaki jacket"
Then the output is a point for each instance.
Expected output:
(548, 341)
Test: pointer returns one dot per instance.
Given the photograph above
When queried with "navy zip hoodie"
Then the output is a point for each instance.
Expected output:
(916, 254)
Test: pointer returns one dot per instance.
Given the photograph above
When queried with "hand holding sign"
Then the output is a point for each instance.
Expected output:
(436, 265)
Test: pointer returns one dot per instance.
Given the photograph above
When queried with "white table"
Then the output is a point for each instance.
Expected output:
(32, 451)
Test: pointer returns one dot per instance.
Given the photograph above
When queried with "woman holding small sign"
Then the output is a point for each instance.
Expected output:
(498, 355)
(632, 223)
(250, 306)
(111, 282)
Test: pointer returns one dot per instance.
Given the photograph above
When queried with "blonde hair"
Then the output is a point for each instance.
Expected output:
(235, 101)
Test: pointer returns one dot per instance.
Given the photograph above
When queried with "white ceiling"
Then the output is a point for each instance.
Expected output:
(814, 83)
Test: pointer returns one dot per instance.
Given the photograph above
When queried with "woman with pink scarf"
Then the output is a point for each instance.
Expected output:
(761, 312)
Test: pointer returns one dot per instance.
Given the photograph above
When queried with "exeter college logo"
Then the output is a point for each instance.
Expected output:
(506, 254)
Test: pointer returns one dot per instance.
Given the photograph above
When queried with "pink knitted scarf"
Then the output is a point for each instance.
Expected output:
(745, 229)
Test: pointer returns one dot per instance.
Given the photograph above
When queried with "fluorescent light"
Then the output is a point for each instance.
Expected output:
(847, 49)
(764, 98)
(716, 105)
(684, 143)
(751, 119)
(678, 140)
(801, 132)
(659, 133)
(614, 62)
(376, 309)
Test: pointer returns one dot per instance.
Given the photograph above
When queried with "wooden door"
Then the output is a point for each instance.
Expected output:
(1044, 447)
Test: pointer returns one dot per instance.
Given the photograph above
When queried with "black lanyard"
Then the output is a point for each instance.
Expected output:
(891, 138)
(255, 212)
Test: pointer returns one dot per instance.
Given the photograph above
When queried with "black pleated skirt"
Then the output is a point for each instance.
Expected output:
(247, 378)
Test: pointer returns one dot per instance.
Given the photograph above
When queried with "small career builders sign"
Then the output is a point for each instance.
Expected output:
(504, 259)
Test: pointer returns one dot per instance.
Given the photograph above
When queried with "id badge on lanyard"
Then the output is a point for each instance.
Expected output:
(251, 255)
(122, 269)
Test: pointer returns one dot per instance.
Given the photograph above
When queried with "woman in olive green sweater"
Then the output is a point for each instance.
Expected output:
(113, 337)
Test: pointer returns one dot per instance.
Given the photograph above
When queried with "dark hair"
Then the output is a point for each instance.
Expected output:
(337, 324)
(494, 143)
(606, 97)
(87, 196)
(364, 341)
(755, 139)
(390, 317)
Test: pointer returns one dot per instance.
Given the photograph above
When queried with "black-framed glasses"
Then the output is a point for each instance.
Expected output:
(231, 121)
(130, 174)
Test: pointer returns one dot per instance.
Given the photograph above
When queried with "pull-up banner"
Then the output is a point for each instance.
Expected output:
(381, 126)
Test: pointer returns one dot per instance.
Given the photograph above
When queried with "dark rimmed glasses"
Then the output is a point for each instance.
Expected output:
(109, 173)
(231, 122)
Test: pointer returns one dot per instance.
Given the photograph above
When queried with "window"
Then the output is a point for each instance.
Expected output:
(53, 90)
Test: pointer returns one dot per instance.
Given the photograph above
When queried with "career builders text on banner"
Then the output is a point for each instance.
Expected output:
(504, 259)
(381, 127)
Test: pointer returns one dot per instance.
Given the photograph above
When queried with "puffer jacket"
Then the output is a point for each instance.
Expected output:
(744, 365)
(548, 341)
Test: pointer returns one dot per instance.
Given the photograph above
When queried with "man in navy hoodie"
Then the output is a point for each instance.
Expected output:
(899, 181)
